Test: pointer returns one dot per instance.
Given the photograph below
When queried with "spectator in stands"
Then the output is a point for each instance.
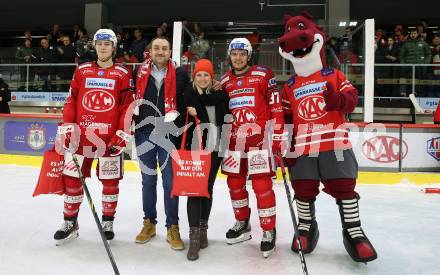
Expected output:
(346, 58)
(25, 55)
(139, 44)
(429, 34)
(399, 36)
(346, 40)
(380, 38)
(46, 55)
(415, 51)
(55, 36)
(436, 54)
(75, 33)
(5, 97)
(332, 51)
(66, 54)
(421, 32)
(199, 45)
(28, 35)
(159, 32)
(390, 55)
(433, 91)
(85, 51)
(164, 27)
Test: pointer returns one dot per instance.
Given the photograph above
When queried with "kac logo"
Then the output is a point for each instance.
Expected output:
(433, 148)
(311, 108)
(384, 149)
(98, 101)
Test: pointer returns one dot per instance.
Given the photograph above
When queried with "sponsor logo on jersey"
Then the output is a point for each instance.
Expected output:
(258, 73)
(100, 73)
(98, 101)
(433, 148)
(310, 89)
(384, 149)
(117, 73)
(102, 83)
(252, 80)
(243, 91)
(272, 82)
(36, 137)
(240, 82)
(244, 101)
(311, 108)
(242, 116)
(258, 162)
(88, 71)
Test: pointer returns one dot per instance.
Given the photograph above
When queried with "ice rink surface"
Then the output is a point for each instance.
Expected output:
(401, 221)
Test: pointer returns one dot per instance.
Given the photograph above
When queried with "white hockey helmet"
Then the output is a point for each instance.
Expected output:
(105, 34)
(240, 44)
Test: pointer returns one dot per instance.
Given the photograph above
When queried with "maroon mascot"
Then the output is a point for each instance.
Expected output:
(317, 99)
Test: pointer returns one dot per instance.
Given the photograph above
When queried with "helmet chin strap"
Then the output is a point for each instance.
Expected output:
(105, 60)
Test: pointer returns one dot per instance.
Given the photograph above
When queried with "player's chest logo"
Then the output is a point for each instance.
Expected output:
(98, 101)
(243, 116)
(311, 108)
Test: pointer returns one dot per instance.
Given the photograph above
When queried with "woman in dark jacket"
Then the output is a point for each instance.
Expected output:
(5, 97)
(210, 107)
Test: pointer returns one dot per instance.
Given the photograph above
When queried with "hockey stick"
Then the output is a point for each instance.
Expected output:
(417, 106)
(292, 214)
(98, 223)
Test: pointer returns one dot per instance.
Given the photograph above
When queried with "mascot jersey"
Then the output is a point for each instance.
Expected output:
(315, 129)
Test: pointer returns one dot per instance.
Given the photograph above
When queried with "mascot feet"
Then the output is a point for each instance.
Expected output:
(307, 227)
(355, 241)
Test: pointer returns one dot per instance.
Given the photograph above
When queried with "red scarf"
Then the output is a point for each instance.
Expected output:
(169, 89)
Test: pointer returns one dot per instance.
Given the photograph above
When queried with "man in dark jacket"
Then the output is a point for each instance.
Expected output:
(66, 54)
(46, 55)
(5, 97)
(415, 51)
(158, 118)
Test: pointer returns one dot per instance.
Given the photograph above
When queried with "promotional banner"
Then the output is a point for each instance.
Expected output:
(423, 150)
(428, 102)
(377, 147)
(29, 136)
(39, 96)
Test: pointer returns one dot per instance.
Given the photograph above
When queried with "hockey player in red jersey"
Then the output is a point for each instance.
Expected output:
(317, 99)
(96, 124)
(254, 101)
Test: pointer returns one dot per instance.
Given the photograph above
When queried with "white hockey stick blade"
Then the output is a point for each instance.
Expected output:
(416, 104)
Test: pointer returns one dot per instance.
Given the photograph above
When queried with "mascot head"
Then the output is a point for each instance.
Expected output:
(303, 44)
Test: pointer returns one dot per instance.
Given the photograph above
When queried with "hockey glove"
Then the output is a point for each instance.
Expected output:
(117, 143)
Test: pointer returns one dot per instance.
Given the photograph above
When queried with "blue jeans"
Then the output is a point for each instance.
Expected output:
(149, 153)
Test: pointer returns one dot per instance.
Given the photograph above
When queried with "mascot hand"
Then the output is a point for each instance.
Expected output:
(333, 100)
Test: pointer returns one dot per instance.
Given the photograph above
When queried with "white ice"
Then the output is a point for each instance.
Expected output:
(400, 220)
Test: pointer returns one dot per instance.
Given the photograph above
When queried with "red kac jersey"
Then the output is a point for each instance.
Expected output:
(100, 98)
(315, 129)
(254, 98)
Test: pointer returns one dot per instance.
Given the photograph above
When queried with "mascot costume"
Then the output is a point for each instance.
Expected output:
(317, 99)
